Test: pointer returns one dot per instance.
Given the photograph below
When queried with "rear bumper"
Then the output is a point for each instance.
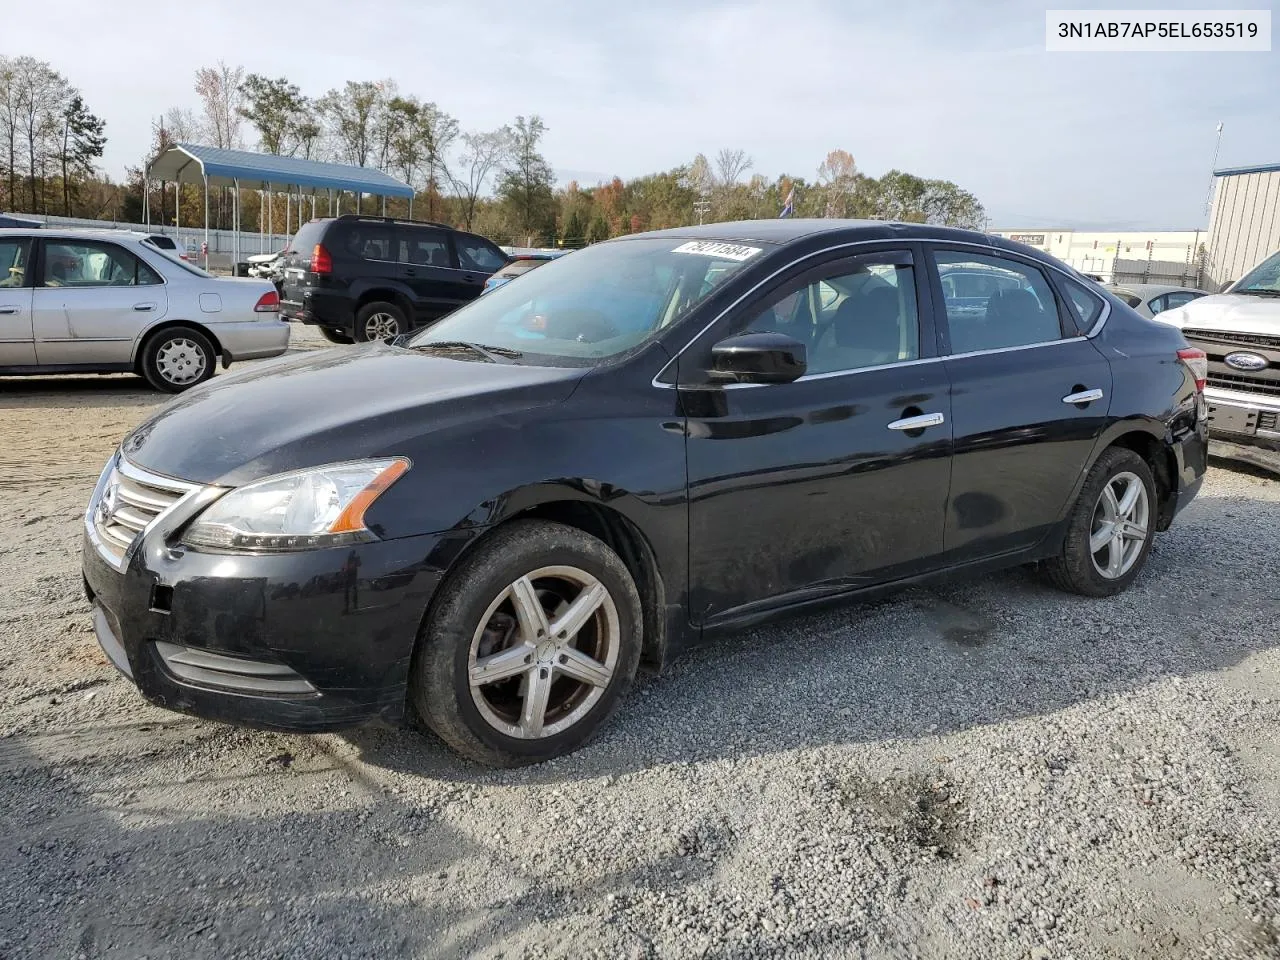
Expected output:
(318, 308)
(1244, 427)
(251, 339)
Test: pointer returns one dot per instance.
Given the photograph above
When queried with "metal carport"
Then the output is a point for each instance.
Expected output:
(245, 170)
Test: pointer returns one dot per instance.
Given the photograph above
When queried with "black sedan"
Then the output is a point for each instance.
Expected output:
(493, 523)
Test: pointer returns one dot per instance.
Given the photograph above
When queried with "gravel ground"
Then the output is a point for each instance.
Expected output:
(987, 769)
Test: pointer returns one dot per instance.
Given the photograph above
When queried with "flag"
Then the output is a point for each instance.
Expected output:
(788, 205)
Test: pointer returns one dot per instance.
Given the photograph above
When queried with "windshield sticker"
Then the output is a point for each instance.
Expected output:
(722, 251)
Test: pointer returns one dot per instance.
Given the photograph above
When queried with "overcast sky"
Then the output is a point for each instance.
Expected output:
(961, 91)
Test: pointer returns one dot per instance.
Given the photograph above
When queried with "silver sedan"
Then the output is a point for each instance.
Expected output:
(1150, 299)
(106, 301)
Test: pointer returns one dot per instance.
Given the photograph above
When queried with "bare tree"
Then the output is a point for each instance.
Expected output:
(9, 126)
(350, 114)
(219, 91)
(732, 164)
(40, 95)
(181, 125)
(481, 154)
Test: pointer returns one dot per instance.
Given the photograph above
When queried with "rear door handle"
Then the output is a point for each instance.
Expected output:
(410, 273)
(919, 423)
(9, 309)
(144, 307)
(1084, 396)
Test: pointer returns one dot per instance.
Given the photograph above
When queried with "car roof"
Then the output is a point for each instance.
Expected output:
(56, 233)
(791, 230)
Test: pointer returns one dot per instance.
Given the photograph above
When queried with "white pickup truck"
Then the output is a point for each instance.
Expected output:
(1239, 329)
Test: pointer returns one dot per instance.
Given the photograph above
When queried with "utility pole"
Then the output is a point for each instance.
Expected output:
(702, 206)
(1208, 200)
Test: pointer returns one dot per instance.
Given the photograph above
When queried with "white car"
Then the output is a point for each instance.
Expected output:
(1239, 330)
(108, 301)
(1150, 299)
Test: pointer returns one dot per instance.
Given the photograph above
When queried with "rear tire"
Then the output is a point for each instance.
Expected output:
(1108, 538)
(334, 335)
(379, 321)
(177, 359)
(510, 598)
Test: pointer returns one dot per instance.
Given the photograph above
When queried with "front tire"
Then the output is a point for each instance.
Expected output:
(379, 321)
(177, 359)
(1111, 528)
(530, 646)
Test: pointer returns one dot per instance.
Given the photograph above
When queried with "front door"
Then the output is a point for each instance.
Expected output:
(837, 480)
(1029, 401)
(92, 300)
(17, 342)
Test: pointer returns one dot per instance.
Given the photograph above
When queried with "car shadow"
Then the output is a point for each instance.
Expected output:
(110, 389)
(102, 862)
(927, 662)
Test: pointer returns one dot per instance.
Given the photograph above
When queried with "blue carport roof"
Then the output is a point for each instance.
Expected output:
(191, 163)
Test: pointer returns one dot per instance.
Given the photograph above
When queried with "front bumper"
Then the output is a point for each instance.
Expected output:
(304, 641)
(1244, 426)
(251, 339)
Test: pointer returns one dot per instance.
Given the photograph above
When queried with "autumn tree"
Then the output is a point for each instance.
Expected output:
(219, 90)
(350, 114)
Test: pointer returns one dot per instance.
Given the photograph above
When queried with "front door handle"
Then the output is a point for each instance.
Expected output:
(9, 309)
(144, 307)
(410, 273)
(918, 423)
(1084, 396)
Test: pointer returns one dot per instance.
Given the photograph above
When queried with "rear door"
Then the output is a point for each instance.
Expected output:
(91, 300)
(17, 341)
(1030, 397)
(427, 268)
(296, 278)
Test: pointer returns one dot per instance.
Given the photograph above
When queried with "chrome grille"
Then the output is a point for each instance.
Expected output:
(1259, 341)
(1248, 384)
(125, 503)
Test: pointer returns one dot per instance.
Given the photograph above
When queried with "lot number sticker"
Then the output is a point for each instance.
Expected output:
(723, 251)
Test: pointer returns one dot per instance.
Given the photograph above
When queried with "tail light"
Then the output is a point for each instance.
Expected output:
(321, 262)
(269, 302)
(1198, 363)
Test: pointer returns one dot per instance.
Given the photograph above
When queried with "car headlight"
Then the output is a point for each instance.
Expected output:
(303, 510)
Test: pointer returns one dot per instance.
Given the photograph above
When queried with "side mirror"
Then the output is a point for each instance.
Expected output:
(758, 358)
(1225, 286)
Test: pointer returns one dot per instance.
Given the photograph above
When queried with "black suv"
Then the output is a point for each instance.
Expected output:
(371, 278)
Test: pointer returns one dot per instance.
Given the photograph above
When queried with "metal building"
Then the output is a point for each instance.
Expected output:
(1244, 225)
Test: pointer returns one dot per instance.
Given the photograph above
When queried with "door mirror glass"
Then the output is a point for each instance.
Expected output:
(758, 358)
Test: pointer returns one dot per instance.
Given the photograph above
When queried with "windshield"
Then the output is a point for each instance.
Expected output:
(598, 303)
(1264, 278)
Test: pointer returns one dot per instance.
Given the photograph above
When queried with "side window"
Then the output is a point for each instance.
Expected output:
(863, 314)
(1180, 299)
(369, 241)
(426, 248)
(475, 253)
(13, 261)
(71, 264)
(1085, 306)
(1158, 305)
(995, 302)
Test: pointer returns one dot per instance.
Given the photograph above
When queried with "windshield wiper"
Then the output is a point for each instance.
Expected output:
(1260, 293)
(492, 354)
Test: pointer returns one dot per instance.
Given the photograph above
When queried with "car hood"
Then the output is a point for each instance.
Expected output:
(1228, 313)
(331, 405)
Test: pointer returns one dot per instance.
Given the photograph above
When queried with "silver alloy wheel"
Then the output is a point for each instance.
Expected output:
(1121, 525)
(180, 361)
(381, 326)
(544, 652)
